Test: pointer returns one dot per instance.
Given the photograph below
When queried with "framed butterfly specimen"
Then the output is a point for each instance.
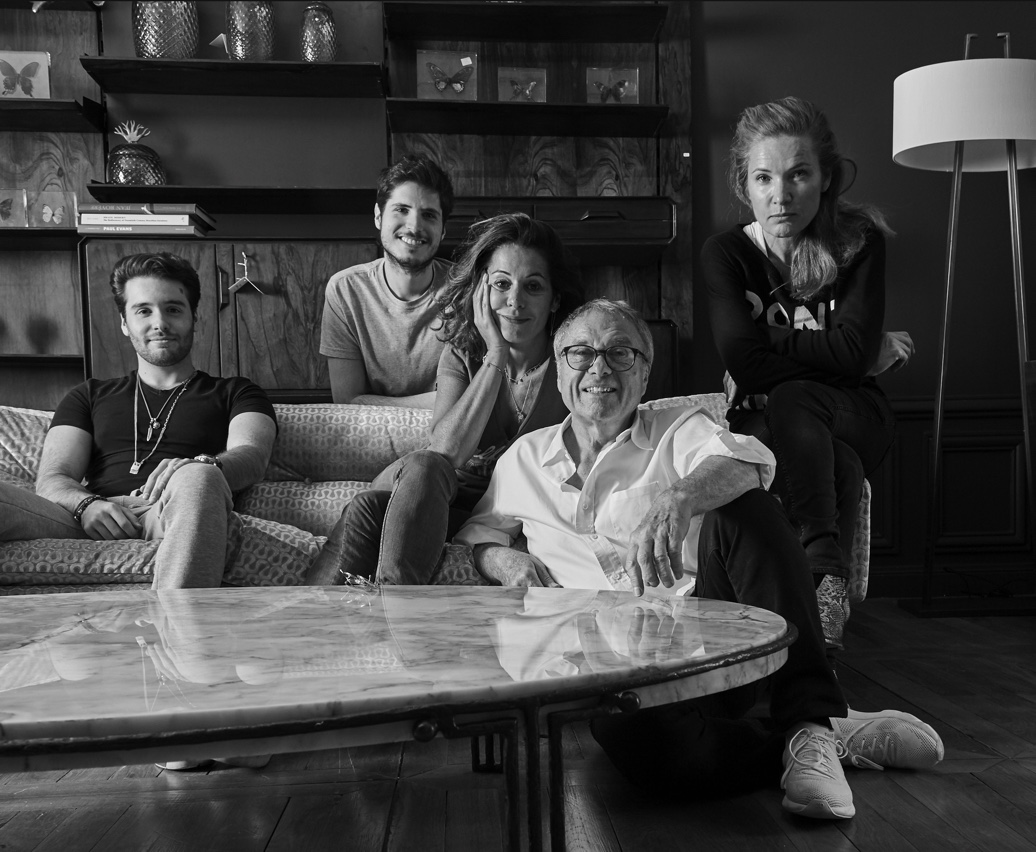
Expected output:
(612, 86)
(447, 74)
(521, 85)
(25, 73)
(12, 208)
(52, 209)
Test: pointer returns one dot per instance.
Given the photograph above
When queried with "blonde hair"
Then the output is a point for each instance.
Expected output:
(840, 229)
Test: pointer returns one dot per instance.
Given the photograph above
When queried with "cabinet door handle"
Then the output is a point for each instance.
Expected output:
(224, 289)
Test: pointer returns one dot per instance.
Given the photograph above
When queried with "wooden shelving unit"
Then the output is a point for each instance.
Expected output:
(38, 239)
(411, 115)
(579, 22)
(244, 199)
(118, 75)
(51, 116)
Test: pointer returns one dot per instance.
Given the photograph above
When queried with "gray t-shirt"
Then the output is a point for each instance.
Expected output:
(364, 321)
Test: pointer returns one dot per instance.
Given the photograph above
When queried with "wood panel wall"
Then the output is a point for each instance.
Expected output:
(39, 291)
(581, 166)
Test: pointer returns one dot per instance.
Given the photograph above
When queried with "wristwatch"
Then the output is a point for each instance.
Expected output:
(205, 458)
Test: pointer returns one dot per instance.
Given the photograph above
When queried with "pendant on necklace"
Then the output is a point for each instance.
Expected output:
(135, 468)
(151, 427)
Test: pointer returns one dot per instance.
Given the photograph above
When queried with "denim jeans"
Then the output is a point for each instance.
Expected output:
(749, 553)
(189, 518)
(826, 440)
(394, 532)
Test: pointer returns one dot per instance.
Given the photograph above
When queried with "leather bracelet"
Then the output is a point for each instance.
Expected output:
(77, 515)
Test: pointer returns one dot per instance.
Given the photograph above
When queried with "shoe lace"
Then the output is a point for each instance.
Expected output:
(871, 753)
(810, 750)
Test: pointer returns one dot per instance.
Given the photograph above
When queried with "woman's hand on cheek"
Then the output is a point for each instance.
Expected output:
(486, 323)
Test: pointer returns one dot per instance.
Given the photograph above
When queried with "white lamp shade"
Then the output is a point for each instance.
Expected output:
(980, 101)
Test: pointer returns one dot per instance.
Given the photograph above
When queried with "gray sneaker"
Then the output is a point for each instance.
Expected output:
(813, 782)
(887, 739)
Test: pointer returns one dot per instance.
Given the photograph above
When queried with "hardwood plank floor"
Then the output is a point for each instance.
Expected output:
(974, 679)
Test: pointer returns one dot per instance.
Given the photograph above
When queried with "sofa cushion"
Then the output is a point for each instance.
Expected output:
(325, 442)
(260, 553)
(22, 431)
(311, 506)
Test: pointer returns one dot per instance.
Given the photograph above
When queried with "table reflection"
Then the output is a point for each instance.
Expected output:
(85, 656)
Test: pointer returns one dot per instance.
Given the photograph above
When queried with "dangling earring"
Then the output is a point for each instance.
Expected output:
(553, 316)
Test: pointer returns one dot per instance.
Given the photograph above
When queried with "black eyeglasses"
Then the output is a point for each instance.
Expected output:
(619, 358)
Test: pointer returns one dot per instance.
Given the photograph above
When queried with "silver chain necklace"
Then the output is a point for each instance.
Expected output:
(153, 421)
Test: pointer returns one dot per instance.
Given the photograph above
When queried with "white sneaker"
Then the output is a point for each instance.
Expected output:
(813, 782)
(888, 738)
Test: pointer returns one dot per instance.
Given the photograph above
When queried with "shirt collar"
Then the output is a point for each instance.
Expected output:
(640, 434)
(557, 464)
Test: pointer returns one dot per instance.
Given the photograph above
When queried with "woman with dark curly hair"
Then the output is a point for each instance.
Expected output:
(796, 304)
(514, 284)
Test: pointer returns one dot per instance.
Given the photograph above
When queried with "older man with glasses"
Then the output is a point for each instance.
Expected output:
(618, 497)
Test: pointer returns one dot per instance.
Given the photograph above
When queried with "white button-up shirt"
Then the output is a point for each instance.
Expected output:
(582, 535)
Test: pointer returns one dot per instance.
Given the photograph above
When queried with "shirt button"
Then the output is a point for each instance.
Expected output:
(593, 536)
(586, 507)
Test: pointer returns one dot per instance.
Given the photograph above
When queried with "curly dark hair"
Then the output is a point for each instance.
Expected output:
(160, 264)
(454, 299)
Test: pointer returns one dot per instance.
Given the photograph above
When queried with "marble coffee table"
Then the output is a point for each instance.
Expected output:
(113, 678)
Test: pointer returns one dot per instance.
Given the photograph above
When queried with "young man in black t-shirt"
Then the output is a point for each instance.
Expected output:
(156, 454)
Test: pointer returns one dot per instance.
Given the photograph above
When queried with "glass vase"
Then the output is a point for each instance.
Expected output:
(250, 31)
(318, 39)
(165, 30)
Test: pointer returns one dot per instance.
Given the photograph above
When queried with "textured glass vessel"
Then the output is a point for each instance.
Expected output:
(250, 30)
(319, 41)
(165, 30)
(135, 165)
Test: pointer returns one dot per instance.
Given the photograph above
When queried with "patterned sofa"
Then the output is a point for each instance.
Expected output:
(324, 454)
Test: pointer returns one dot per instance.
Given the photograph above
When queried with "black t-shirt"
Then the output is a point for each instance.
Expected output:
(198, 424)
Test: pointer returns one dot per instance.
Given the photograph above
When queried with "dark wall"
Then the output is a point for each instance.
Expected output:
(845, 56)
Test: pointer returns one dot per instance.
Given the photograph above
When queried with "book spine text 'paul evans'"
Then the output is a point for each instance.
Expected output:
(167, 230)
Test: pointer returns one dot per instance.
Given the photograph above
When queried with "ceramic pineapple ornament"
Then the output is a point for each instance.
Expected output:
(134, 164)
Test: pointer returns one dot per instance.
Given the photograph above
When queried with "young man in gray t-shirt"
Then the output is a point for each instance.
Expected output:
(378, 329)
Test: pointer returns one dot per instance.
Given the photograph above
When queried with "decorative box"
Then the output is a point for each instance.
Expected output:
(449, 74)
(26, 73)
(612, 86)
(12, 208)
(521, 84)
(51, 209)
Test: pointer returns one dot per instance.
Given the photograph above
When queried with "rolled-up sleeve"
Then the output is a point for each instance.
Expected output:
(697, 437)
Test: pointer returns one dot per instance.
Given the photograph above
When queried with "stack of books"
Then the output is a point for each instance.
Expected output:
(171, 220)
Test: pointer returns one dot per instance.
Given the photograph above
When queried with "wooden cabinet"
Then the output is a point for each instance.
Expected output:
(267, 330)
(270, 330)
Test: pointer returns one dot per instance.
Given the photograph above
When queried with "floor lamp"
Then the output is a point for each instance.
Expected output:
(976, 115)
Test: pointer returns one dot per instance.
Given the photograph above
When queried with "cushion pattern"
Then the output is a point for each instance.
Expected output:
(260, 553)
(325, 442)
(22, 431)
(312, 506)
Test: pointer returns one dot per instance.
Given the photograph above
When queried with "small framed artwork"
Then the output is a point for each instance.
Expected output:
(51, 209)
(26, 73)
(450, 74)
(522, 85)
(612, 86)
(12, 208)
